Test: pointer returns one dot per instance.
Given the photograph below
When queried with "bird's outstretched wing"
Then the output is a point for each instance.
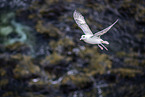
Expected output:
(79, 19)
(105, 30)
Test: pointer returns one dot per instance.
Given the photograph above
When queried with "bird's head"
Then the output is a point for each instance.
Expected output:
(83, 37)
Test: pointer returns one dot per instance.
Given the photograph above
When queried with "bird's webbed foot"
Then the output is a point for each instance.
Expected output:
(100, 47)
(104, 46)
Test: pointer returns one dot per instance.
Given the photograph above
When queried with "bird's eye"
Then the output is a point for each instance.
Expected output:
(83, 36)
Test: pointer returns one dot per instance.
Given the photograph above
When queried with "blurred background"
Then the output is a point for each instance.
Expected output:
(41, 54)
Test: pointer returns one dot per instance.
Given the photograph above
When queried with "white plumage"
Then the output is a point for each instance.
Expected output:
(89, 37)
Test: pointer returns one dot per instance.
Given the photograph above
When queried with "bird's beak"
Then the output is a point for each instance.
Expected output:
(80, 38)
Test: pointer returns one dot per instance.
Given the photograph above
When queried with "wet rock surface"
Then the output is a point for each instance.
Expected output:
(41, 54)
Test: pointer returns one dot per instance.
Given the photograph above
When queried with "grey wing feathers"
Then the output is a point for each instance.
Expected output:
(105, 30)
(79, 19)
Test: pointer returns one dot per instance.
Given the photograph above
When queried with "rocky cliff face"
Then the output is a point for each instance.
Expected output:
(41, 54)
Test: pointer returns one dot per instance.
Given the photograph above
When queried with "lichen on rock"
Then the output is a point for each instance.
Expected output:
(126, 72)
(97, 63)
(73, 82)
(12, 31)
(25, 68)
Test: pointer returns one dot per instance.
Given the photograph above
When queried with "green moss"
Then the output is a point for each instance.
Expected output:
(54, 59)
(97, 63)
(140, 13)
(78, 80)
(48, 29)
(8, 94)
(128, 7)
(17, 46)
(49, 2)
(7, 17)
(6, 30)
(17, 57)
(140, 35)
(32, 94)
(3, 82)
(2, 72)
(131, 61)
(96, 6)
(121, 54)
(10, 27)
(126, 72)
(25, 68)
(64, 43)
(131, 58)
(88, 52)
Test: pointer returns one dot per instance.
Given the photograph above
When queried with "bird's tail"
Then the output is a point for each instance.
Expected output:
(105, 42)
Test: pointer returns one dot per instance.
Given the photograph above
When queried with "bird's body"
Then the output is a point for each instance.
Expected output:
(93, 40)
(89, 37)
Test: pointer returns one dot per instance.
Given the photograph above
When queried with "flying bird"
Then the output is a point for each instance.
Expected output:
(89, 37)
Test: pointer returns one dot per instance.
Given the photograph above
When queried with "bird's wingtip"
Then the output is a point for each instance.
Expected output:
(117, 20)
(76, 14)
(75, 11)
